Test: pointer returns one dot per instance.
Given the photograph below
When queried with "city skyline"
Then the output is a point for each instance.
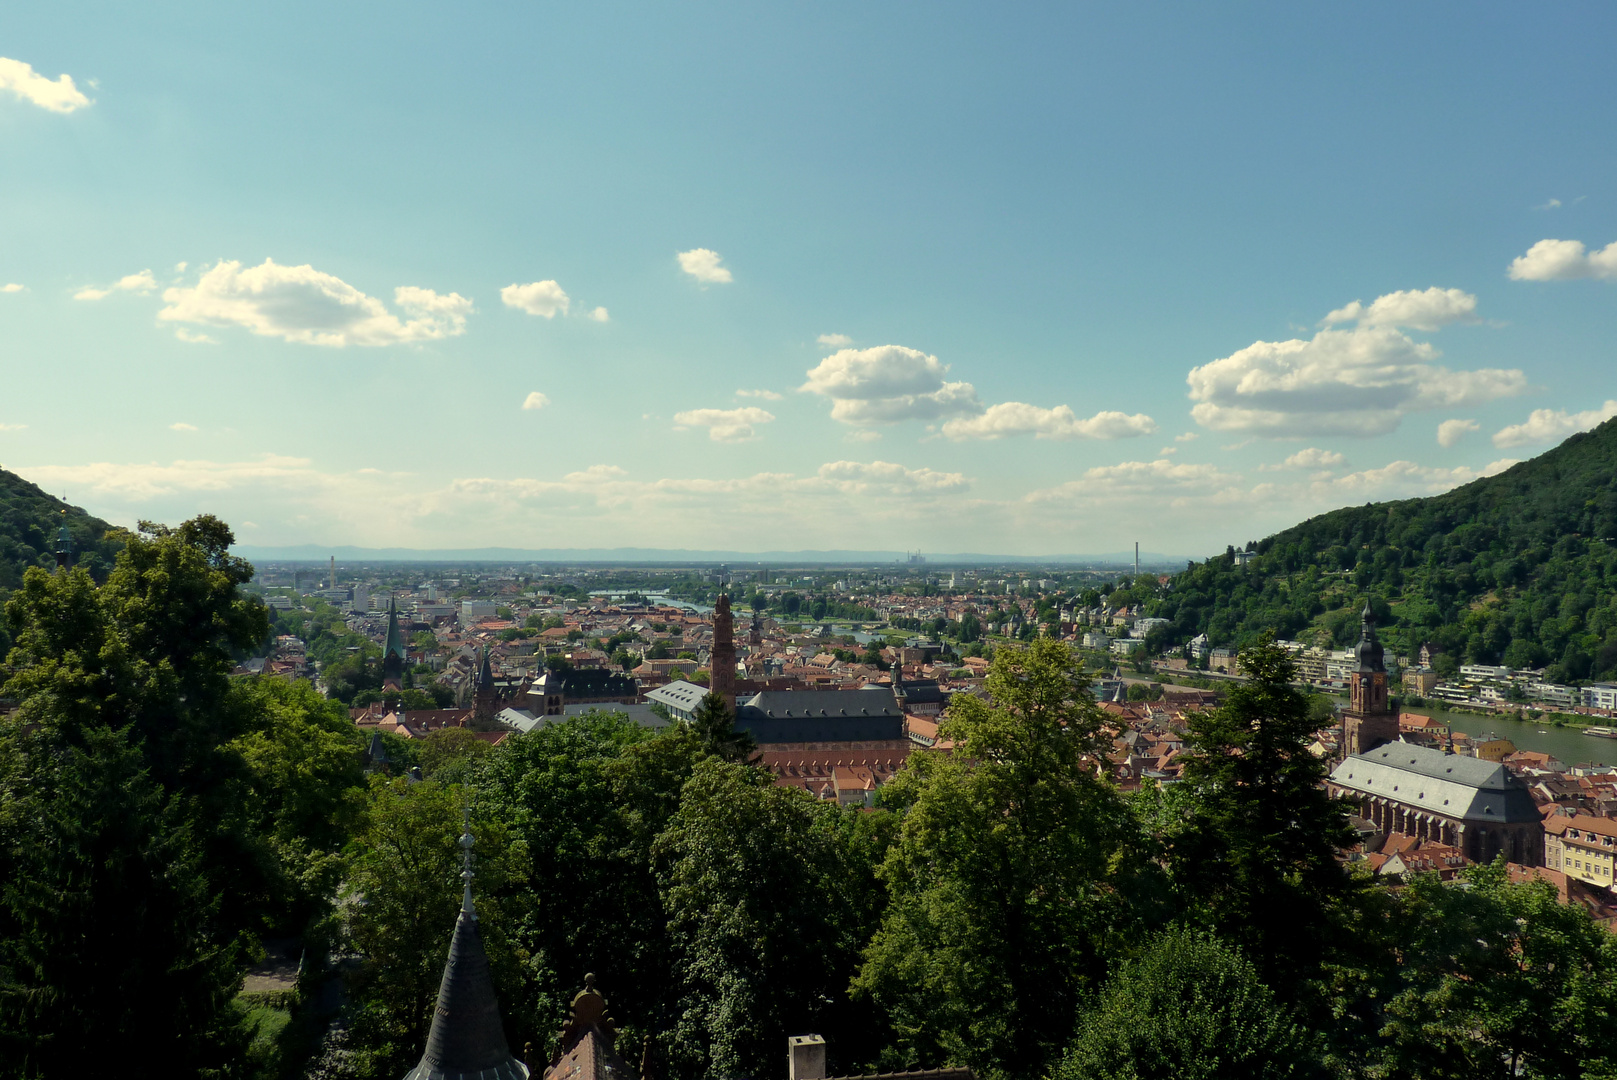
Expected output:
(769, 280)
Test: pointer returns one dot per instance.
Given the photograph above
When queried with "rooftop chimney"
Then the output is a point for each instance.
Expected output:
(805, 1057)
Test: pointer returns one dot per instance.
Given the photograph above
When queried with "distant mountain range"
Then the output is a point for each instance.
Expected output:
(680, 556)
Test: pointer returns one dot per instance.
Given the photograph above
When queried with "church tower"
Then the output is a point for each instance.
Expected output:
(393, 653)
(484, 698)
(1369, 721)
(722, 666)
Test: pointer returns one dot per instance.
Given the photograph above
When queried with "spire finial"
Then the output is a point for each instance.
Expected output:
(466, 873)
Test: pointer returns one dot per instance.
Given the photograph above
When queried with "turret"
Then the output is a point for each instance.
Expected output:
(64, 545)
(467, 1040)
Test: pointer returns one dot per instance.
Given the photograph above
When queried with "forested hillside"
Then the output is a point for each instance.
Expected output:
(29, 520)
(1518, 568)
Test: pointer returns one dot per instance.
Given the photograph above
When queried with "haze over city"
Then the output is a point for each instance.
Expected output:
(732, 278)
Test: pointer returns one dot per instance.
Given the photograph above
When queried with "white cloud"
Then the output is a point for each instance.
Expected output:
(1313, 458)
(543, 298)
(1552, 425)
(303, 305)
(599, 314)
(58, 95)
(12, 427)
(1450, 432)
(13, 287)
(142, 283)
(1405, 478)
(887, 384)
(1428, 309)
(1548, 205)
(766, 395)
(535, 400)
(835, 341)
(191, 337)
(1168, 451)
(857, 478)
(1563, 260)
(1128, 479)
(1358, 381)
(1189, 436)
(181, 425)
(704, 265)
(725, 425)
(858, 435)
(1017, 418)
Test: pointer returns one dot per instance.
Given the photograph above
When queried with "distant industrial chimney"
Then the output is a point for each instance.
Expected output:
(333, 584)
(1136, 558)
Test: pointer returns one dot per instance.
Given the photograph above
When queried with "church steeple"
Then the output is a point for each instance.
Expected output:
(1369, 721)
(467, 1041)
(393, 652)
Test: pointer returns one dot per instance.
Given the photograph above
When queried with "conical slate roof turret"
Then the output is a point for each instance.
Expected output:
(393, 654)
(467, 1041)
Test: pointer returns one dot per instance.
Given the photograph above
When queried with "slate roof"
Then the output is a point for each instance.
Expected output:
(776, 716)
(1448, 784)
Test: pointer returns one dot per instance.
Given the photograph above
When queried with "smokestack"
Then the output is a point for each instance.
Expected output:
(1136, 558)
(333, 584)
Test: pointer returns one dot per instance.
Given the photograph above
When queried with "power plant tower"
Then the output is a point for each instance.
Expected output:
(333, 584)
(1136, 558)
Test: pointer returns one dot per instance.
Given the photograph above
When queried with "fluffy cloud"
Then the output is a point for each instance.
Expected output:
(1428, 309)
(1552, 425)
(835, 341)
(1358, 381)
(535, 400)
(1313, 458)
(1401, 479)
(191, 337)
(887, 384)
(303, 305)
(543, 298)
(1016, 418)
(181, 425)
(704, 265)
(1563, 260)
(1450, 432)
(725, 425)
(12, 287)
(12, 427)
(142, 282)
(599, 314)
(858, 435)
(1129, 479)
(884, 477)
(766, 395)
(58, 95)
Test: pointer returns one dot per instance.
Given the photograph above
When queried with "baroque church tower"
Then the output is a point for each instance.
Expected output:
(722, 665)
(1369, 721)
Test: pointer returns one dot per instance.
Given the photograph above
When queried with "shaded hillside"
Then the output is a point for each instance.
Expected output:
(29, 521)
(1519, 568)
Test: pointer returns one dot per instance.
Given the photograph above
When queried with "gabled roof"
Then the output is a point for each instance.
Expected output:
(1446, 784)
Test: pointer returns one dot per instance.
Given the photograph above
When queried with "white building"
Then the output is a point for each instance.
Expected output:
(1600, 695)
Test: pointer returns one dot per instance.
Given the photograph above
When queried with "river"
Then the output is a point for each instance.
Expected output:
(1570, 745)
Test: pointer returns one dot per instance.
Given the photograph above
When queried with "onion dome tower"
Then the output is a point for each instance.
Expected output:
(467, 1041)
(1369, 721)
(393, 653)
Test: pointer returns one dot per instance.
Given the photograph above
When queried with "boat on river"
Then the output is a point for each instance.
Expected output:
(1601, 732)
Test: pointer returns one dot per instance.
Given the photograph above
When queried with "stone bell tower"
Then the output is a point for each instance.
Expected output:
(1369, 721)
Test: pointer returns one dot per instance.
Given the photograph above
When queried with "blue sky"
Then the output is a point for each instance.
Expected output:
(1002, 279)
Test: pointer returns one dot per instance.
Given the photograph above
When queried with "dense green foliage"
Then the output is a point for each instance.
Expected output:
(29, 522)
(1518, 568)
(155, 815)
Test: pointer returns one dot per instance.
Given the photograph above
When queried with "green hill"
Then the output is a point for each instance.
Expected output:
(29, 521)
(1518, 568)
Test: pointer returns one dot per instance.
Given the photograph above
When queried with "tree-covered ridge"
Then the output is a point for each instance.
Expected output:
(1518, 568)
(29, 521)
